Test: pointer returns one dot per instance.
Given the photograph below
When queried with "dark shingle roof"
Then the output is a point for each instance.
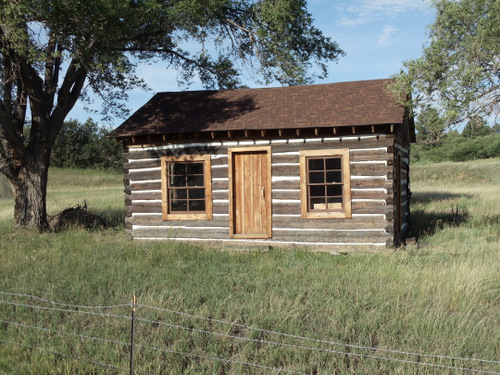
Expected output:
(315, 106)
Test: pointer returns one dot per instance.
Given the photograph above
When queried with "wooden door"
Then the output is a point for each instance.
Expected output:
(250, 192)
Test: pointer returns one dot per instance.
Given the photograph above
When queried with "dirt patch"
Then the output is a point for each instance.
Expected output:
(76, 216)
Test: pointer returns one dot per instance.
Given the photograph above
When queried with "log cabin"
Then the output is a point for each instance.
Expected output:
(323, 167)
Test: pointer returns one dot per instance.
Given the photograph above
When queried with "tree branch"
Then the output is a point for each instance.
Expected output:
(68, 95)
(52, 65)
(175, 54)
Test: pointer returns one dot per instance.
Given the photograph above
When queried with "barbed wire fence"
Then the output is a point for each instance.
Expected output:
(142, 342)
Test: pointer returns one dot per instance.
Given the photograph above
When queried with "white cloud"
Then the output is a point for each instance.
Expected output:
(384, 39)
(360, 12)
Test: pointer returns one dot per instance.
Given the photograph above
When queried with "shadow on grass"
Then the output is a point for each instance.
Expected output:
(114, 217)
(426, 222)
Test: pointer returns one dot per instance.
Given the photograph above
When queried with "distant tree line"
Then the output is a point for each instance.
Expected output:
(85, 145)
(435, 142)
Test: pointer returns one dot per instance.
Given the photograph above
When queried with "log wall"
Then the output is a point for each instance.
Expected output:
(372, 171)
(403, 188)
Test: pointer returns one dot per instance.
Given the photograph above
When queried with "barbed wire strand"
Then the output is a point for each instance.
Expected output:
(65, 310)
(371, 356)
(222, 359)
(63, 304)
(241, 338)
(319, 340)
(69, 334)
(98, 363)
(128, 344)
(65, 333)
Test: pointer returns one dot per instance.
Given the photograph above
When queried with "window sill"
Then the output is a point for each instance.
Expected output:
(187, 217)
(325, 215)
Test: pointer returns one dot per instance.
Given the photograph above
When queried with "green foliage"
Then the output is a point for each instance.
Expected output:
(458, 148)
(476, 126)
(85, 146)
(458, 70)
(429, 126)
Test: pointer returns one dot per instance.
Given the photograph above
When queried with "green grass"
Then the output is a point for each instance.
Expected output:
(442, 298)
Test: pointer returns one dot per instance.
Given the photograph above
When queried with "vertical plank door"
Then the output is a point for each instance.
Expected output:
(250, 192)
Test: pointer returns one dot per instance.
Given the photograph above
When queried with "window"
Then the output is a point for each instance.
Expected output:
(325, 184)
(186, 192)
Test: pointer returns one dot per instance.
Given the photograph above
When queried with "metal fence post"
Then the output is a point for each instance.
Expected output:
(132, 337)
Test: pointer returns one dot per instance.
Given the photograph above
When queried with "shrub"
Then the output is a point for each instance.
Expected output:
(459, 149)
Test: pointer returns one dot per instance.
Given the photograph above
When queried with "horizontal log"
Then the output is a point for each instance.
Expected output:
(351, 237)
(291, 184)
(381, 210)
(378, 155)
(371, 183)
(147, 154)
(146, 163)
(143, 208)
(138, 186)
(220, 194)
(375, 204)
(220, 185)
(328, 224)
(370, 194)
(237, 244)
(220, 173)
(159, 222)
(336, 144)
(144, 175)
(286, 194)
(355, 169)
(180, 232)
(370, 170)
(155, 194)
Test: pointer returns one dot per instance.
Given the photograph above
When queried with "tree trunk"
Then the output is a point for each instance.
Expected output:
(30, 195)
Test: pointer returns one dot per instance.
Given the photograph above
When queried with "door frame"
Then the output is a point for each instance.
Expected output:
(268, 189)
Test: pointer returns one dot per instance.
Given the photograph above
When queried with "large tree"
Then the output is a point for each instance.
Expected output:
(459, 71)
(55, 52)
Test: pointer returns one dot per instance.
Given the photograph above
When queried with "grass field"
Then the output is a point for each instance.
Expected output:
(442, 298)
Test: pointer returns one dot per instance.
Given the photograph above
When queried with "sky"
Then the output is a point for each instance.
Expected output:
(376, 35)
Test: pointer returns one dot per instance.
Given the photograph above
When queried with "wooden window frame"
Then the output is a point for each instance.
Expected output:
(346, 211)
(207, 174)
